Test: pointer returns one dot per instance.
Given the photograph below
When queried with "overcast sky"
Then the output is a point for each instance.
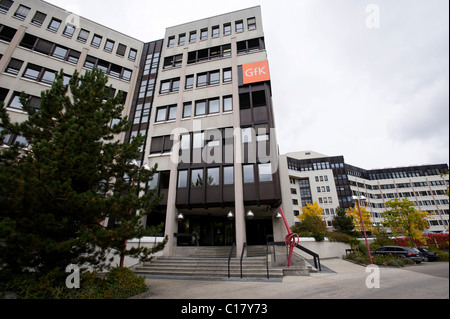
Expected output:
(368, 80)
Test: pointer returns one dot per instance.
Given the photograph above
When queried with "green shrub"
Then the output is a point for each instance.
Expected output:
(119, 283)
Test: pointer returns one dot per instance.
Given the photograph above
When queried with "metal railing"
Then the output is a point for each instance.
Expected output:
(229, 258)
(244, 246)
(282, 243)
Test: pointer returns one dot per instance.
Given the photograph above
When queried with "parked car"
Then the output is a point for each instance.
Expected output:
(400, 251)
(428, 255)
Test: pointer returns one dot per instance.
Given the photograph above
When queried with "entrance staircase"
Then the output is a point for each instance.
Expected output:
(210, 263)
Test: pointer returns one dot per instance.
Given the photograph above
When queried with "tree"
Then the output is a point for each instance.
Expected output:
(404, 219)
(342, 222)
(353, 212)
(311, 222)
(74, 174)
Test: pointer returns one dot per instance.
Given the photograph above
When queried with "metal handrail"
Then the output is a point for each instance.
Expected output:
(306, 250)
(242, 254)
(315, 256)
(229, 257)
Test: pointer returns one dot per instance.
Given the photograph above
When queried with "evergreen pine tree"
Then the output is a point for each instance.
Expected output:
(74, 174)
(343, 223)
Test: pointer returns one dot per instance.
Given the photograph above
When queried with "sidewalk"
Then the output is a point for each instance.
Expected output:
(339, 280)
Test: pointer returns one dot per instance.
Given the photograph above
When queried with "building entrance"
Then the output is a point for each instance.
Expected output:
(206, 231)
(257, 231)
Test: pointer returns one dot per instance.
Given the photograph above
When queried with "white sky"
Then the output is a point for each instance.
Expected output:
(377, 96)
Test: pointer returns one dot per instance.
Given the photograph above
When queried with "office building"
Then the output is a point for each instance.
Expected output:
(308, 177)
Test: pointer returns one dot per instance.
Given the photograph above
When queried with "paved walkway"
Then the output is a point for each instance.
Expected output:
(339, 280)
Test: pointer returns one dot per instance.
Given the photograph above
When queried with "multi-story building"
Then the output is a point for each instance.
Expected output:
(308, 177)
(210, 119)
(201, 96)
(38, 39)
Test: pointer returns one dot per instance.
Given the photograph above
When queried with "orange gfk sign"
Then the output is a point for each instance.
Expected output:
(255, 72)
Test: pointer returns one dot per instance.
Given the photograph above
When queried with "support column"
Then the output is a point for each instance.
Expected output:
(172, 212)
(241, 236)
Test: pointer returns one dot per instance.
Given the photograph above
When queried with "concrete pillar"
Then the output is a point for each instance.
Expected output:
(241, 236)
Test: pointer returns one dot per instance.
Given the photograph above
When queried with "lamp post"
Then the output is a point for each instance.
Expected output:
(357, 199)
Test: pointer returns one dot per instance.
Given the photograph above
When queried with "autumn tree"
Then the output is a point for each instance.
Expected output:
(404, 219)
(311, 222)
(74, 174)
(353, 212)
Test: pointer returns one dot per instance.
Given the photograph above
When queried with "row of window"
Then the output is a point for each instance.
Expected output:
(69, 30)
(49, 48)
(201, 108)
(215, 32)
(213, 53)
(212, 176)
(203, 79)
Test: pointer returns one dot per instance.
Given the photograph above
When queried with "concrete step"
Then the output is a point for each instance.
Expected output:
(195, 267)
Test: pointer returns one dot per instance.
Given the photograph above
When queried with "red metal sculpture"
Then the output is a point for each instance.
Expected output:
(292, 239)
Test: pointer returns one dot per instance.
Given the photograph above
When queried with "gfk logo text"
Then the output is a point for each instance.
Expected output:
(255, 71)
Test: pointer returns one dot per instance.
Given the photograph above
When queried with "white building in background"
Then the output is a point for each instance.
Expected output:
(308, 177)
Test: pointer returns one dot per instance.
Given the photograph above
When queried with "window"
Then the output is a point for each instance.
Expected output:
(132, 54)
(197, 177)
(189, 81)
(171, 42)
(38, 18)
(210, 53)
(246, 134)
(227, 103)
(252, 45)
(228, 175)
(215, 31)
(227, 75)
(251, 24)
(203, 34)
(54, 24)
(192, 36)
(32, 72)
(200, 108)
(182, 39)
(5, 5)
(187, 109)
(214, 106)
(14, 66)
(227, 29)
(96, 40)
(22, 12)
(7, 33)
(208, 78)
(166, 113)
(182, 178)
(161, 144)
(121, 48)
(161, 114)
(213, 176)
(168, 86)
(83, 35)
(60, 52)
(109, 45)
(48, 76)
(69, 31)
(248, 174)
(173, 61)
(239, 26)
(172, 115)
(265, 172)
(198, 140)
